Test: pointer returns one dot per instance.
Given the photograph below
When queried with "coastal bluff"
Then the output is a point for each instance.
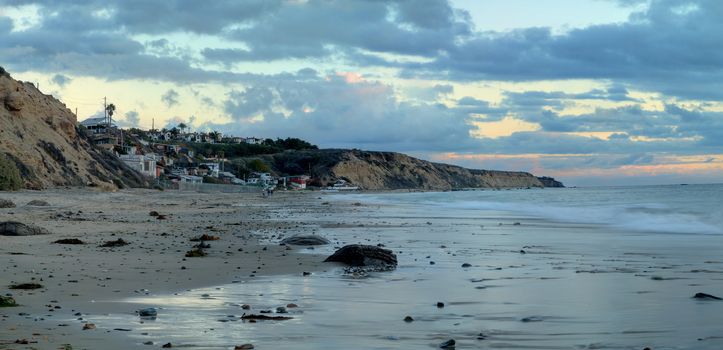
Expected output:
(40, 135)
(395, 171)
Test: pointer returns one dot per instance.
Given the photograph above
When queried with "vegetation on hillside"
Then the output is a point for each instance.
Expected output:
(10, 179)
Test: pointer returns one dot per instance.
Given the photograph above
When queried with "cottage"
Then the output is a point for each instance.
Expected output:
(139, 162)
(297, 182)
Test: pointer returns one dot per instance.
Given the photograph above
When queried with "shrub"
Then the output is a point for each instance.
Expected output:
(10, 179)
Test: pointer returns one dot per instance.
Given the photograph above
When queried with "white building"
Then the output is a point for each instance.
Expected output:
(141, 163)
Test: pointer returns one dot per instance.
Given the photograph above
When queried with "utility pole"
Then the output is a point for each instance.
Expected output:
(105, 112)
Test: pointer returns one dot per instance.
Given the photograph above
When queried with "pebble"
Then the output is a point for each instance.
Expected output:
(149, 312)
(408, 319)
(449, 344)
(466, 265)
(440, 304)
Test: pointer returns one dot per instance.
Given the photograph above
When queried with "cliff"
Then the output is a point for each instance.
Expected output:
(389, 171)
(39, 134)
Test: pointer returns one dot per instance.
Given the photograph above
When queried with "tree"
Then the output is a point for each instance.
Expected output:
(182, 126)
(259, 166)
(110, 109)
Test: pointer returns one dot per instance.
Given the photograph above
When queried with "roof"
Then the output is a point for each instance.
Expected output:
(94, 121)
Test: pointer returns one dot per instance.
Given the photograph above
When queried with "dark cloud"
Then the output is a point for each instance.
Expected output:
(662, 49)
(60, 80)
(668, 47)
(170, 98)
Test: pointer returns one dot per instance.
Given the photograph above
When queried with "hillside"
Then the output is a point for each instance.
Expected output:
(39, 134)
(389, 171)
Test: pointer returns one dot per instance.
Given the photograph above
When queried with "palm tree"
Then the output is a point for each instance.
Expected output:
(182, 126)
(110, 109)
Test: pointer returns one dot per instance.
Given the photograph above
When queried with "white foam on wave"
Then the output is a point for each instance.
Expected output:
(647, 218)
(641, 217)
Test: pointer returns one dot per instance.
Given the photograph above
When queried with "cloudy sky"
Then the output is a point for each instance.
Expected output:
(594, 92)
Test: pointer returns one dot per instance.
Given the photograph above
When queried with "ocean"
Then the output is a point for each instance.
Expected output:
(575, 268)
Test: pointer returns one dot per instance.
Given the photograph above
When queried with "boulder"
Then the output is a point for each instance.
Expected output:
(14, 228)
(4, 203)
(14, 102)
(305, 240)
(364, 255)
(38, 203)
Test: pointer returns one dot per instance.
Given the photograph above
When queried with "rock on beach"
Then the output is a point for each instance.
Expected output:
(305, 240)
(364, 255)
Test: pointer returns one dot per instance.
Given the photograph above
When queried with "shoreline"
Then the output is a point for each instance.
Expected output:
(82, 278)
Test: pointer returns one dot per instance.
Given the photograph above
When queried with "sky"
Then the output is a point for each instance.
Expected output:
(591, 92)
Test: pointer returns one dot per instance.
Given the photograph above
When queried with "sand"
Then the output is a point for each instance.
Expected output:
(88, 279)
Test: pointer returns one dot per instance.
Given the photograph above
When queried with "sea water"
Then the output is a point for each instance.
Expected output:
(579, 268)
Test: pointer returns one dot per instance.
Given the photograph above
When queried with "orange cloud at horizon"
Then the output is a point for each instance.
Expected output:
(708, 164)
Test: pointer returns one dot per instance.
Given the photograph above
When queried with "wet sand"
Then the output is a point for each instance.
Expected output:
(530, 284)
(89, 280)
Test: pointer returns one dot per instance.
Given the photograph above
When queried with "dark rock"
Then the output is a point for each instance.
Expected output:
(7, 301)
(117, 243)
(167, 346)
(149, 312)
(449, 344)
(364, 255)
(265, 318)
(408, 319)
(705, 296)
(195, 253)
(88, 326)
(305, 240)
(440, 304)
(465, 265)
(4, 203)
(153, 213)
(205, 237)
(38, 203)
(26, 286)
(14, 228)
(244, 347)
(69, 241)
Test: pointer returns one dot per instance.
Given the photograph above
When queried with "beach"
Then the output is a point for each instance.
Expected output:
(88, 279)
(609, 268)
